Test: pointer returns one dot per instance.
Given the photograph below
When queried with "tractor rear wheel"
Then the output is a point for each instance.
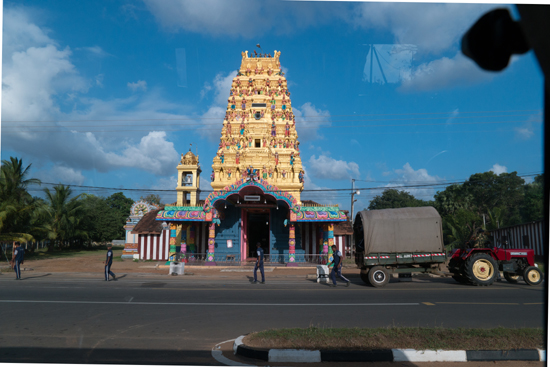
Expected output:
(532, 275)
(480, 269)
(378, 276)
(511, 277)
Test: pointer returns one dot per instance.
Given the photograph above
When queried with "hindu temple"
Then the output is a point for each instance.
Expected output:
(257, 180)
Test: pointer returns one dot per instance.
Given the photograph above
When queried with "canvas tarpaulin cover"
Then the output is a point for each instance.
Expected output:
(400, 230)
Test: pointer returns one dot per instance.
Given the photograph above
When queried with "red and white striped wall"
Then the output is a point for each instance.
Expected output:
(528, 235)
(157, 246)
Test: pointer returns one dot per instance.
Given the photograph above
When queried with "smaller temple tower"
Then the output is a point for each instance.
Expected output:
(189, 172)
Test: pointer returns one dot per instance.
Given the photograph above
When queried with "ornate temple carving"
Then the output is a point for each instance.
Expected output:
(259, 130)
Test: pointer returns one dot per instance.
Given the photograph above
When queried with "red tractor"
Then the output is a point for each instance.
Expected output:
(481, 266)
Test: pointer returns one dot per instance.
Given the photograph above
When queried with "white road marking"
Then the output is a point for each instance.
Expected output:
(209, 304)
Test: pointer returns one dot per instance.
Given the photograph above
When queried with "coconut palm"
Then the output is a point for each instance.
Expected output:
(64, 215)
(17, 206)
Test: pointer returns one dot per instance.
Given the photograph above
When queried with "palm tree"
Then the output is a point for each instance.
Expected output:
(14, 182)
(17, 206)
(64, 215)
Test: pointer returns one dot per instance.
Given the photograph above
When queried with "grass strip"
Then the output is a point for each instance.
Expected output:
(314, 338)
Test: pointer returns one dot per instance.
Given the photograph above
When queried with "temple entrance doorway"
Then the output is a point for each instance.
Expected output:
(257, 231)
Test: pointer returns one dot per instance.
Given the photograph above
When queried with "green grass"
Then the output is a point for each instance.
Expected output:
(394, 337)
(541, 266)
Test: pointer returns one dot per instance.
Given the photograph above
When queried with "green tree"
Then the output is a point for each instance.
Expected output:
(533, 203)
(17, 206)
(452, 199)
(64, 216)
(120, 205)
(460, 228)
(100, 221)
(490, 191)
(152, 199)
(392, 198)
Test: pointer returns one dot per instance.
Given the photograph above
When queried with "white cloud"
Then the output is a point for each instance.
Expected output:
(498, 169)
(166, 183)
(212, 119)
(39, 77)
(248, 19)
(526, 132)
(309, 120)
(139, 85)
(433, 28)
(98, 80)
(408, 176)
(95, 50)
(32, 78)
(153, 154)
(222, 86)
(61, 174)
(445, 72)
(330, 168)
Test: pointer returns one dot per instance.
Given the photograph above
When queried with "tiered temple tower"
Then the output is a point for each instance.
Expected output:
(257, 178)
(259, 129)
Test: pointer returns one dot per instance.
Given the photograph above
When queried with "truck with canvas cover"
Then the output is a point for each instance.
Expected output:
(403, 240)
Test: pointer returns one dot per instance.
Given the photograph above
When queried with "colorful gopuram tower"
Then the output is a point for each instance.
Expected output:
(259, 129)
(257, 180)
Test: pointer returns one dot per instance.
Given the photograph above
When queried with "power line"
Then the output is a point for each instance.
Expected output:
(307, 119)
(215, 118)
(430, 185)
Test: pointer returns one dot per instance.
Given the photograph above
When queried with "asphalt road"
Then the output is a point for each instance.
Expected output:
(178, 320)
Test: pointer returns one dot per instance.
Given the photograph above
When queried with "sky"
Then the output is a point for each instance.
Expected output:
(111, 93)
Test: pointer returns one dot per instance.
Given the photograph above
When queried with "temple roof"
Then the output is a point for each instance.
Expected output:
(189, 158)
(148, 224)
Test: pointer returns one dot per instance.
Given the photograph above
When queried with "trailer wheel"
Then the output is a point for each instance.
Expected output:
(532, 275)
(511, 277)
(480, 269)
(365, 277)
(378, 276)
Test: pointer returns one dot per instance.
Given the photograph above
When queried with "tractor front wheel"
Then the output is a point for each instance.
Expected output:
(532, 275)
(511, 277)
(480, 269)
(379, 276)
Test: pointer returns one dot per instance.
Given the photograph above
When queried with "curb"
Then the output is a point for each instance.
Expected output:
(385, 355)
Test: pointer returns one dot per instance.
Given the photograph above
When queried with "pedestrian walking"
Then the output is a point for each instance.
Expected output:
(337, 268)
(259, 264)
(17, 259)
(109, 262)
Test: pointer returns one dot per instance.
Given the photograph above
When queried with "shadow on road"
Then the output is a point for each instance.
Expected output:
(37, 276)
(105, 356)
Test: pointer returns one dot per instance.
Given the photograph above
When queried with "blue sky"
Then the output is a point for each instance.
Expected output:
(110, 93)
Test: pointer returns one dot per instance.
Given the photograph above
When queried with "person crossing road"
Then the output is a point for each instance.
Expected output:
(17, 260)
(108, 263)
(259, 264)
(337, 268)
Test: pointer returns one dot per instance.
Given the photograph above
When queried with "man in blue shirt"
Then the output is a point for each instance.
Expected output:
(17, 260)
(259, 264)
(337, 268)
(109, 262)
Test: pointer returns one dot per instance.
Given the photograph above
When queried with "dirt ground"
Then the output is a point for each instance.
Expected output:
(93, 263)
